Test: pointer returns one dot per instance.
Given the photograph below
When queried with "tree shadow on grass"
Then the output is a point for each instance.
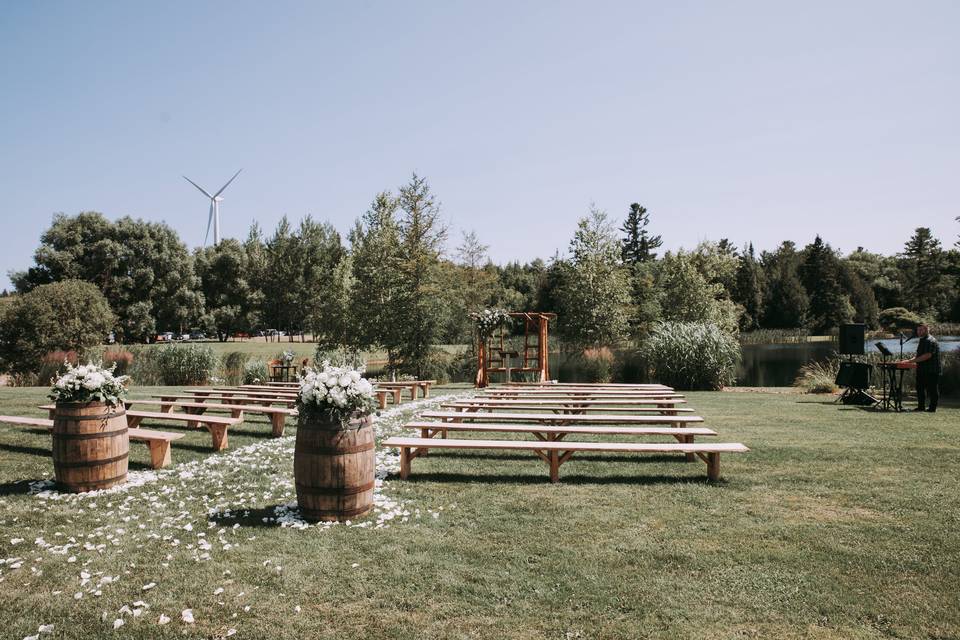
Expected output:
(30, 451)
(18, 487)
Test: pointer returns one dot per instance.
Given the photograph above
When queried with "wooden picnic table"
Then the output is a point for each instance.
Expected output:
(410, 385)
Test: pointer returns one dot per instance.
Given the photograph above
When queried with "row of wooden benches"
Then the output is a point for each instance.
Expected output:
(494, 411)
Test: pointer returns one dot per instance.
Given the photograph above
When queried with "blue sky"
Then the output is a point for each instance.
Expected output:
(754, 121)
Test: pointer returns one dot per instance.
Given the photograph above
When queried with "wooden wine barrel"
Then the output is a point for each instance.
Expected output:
(90, 446)
(334, 469)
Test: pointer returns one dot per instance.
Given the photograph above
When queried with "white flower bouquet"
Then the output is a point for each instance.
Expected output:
(337, 394)
(489, 319)
(89, 383)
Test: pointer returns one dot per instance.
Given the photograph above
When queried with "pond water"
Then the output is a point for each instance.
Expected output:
(776, 365)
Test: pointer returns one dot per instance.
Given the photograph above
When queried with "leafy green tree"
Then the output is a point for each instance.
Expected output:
(595, 295)
(880, 273)
(132, 262)
(638, 244)
(280, 279)
(375, 259)
(69, 315)
(861, 296)
(688, 296)
(748, 289)
(717, 262)
(923, 265)
(323, 287)
(820, 274)
(224, 272)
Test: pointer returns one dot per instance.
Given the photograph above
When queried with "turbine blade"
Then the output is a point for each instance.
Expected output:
(202, 190)
(228, 184)
(209, 221)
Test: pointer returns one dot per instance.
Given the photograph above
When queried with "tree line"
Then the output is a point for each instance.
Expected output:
(392, 284)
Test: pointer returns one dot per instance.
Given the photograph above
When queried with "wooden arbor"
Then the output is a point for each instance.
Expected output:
(494, 357)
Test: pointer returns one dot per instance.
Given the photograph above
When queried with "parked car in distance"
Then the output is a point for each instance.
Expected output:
(198, 335)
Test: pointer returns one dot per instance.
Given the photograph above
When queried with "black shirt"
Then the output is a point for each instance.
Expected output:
(929, 345)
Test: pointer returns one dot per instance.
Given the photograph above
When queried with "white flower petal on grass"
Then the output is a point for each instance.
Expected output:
(187, 616)
(45, 628)
(218, 591)
(118, 623)
(148, 586)
(231, 632)
(164, 619)
(36, 637)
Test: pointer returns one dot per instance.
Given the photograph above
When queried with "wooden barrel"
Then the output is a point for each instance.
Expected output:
(334, 469)
(90, 446)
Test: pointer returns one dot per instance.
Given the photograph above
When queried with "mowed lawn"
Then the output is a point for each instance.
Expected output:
(840, 523)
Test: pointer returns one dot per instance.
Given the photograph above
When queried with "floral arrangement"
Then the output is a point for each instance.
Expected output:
(89, 383)
(337, 393)
(288, 357)
(488, 320)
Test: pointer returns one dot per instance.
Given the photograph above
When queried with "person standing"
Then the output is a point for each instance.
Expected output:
(927, 360)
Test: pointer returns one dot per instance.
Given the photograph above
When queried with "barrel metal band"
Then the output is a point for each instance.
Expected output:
(63, 464)
(335, 451)
(334, 491)
(89, 436)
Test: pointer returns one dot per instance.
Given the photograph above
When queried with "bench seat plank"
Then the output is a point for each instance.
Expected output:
(555, 418)
(558, 452)
(564, 408)
(277, 415)
(585, 429)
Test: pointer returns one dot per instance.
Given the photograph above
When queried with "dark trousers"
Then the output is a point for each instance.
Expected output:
(928, 387)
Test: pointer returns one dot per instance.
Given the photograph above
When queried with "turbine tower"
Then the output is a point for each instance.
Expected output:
(214, 217)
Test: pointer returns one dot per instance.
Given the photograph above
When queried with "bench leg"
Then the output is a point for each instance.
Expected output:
(690, 456)
(195, 411)
(159, 454)
(396, 396)
(713, 466)
(219, 434)
(277, 421)
(133, 421)
(404, 462)
(554, 466)
(382, 400)
(426, 390)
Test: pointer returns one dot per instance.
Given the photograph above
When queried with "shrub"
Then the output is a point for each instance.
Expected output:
(898, 319)
(818, 377)
(51, 366)
(70, 315)
(185, 364)
(692, 355)
(255, 371)
(598, 364)
(121, 359)
(233, 367)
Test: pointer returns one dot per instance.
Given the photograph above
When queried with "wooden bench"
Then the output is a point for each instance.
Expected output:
(257, 391)
(252, 393)
(228, 399)
(555, 418)
(583, 385)
(571, 408)
(599, 395)
(216, 425)
(277, 415)
(557, 453)
(411, 386)
(157, 441)
(557, 432)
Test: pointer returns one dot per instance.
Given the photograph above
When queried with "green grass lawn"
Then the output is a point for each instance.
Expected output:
(840, 523)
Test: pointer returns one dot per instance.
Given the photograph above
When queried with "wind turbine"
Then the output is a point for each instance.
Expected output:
(215, 200)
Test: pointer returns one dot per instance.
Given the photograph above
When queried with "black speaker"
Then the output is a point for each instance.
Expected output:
(851, 339)
(854, 375)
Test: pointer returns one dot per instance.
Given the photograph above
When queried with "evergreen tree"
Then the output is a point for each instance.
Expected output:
(785, 301)
(922, 263)
(638, 245)
(861, 296)
(224, 273)
(820, 274)
(420, 301)
(748, 290)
